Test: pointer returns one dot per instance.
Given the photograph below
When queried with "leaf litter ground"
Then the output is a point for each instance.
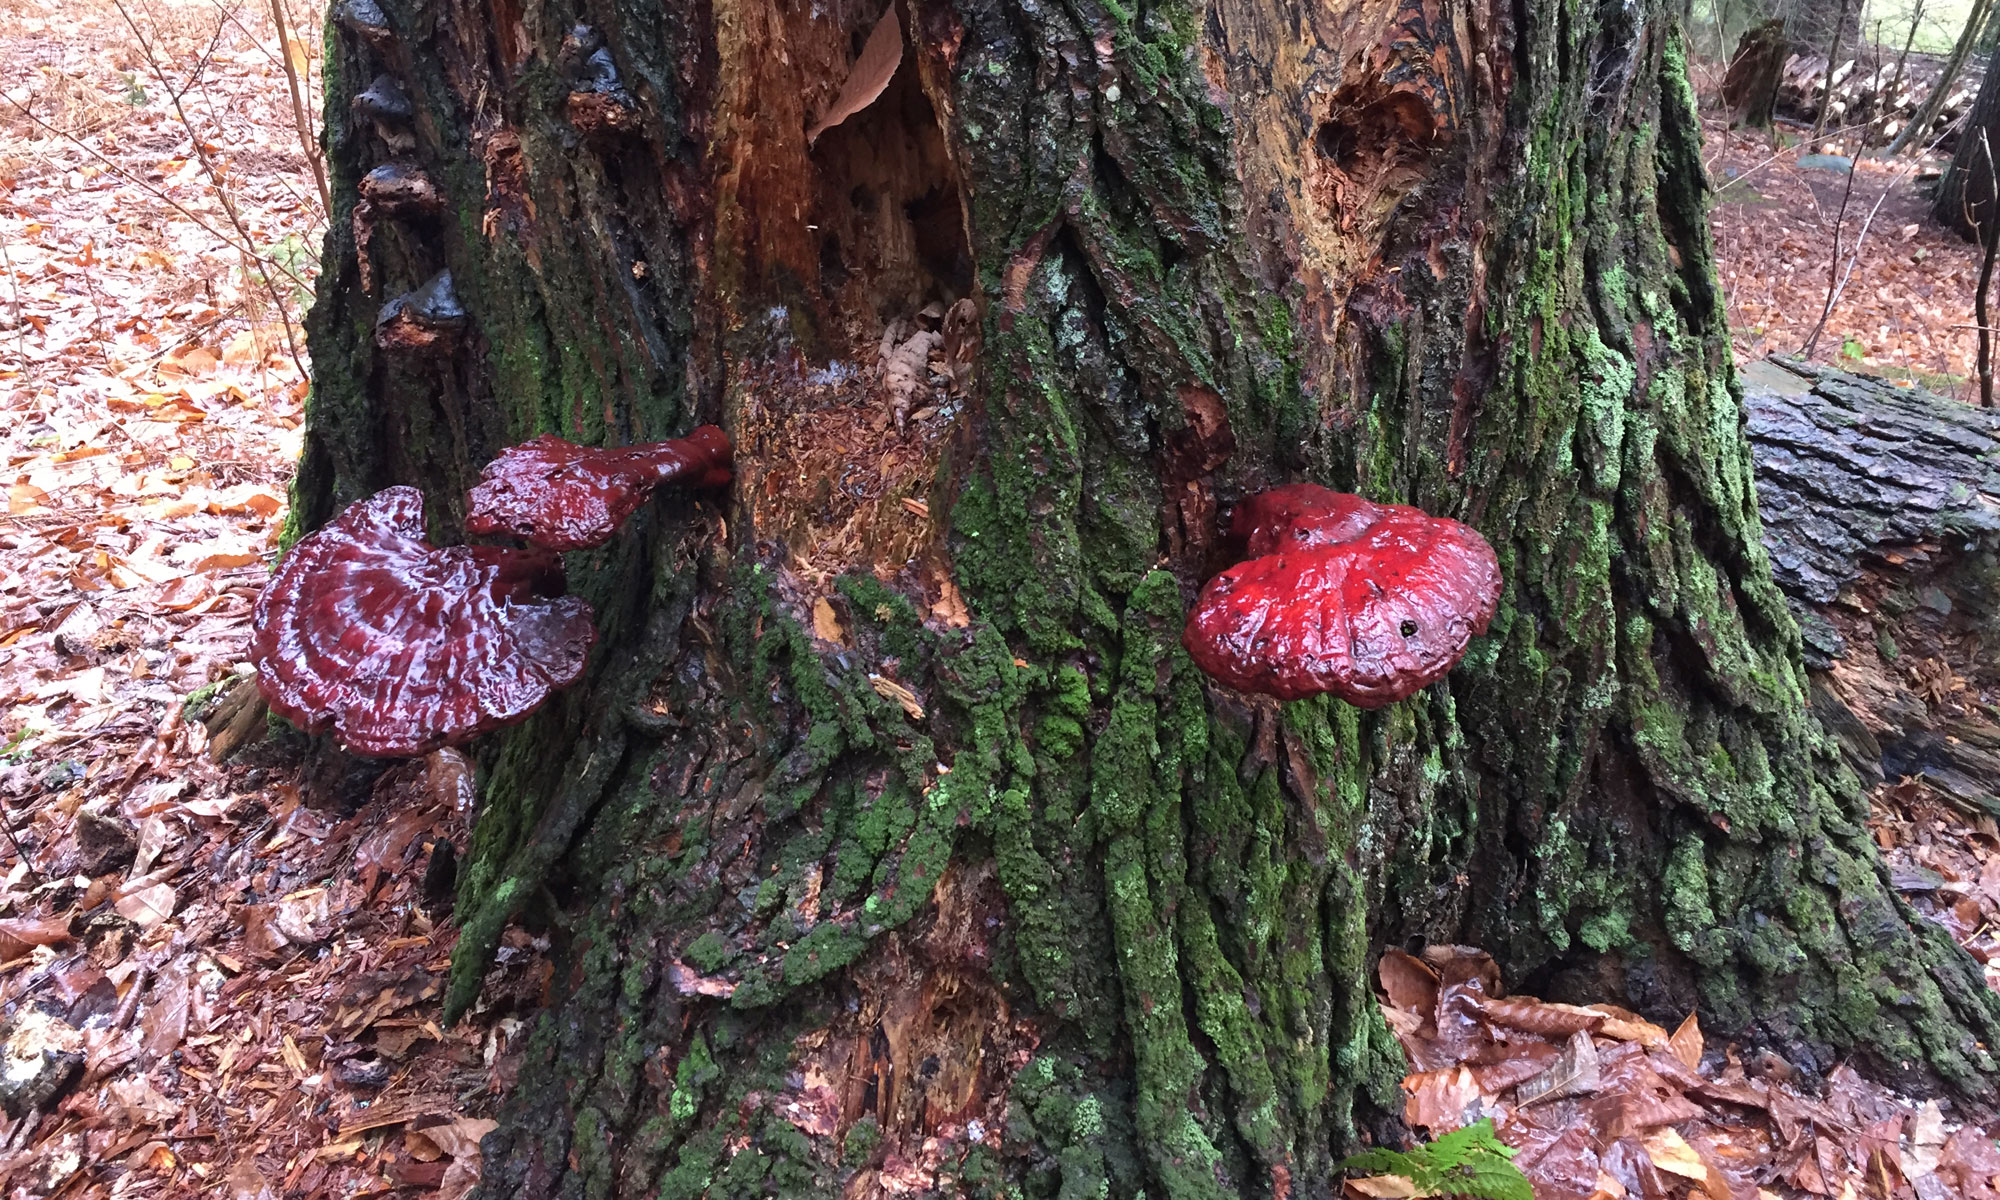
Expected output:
(231, 993)
(211, 989)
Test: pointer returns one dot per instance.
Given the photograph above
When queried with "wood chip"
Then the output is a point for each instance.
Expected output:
(889, 689)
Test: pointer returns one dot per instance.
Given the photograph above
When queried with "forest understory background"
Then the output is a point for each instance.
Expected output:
(234, 993)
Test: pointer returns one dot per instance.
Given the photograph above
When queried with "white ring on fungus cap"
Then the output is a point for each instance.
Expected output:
(400, 647)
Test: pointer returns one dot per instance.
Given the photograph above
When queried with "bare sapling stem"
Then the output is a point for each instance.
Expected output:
(1989, 241)
(307, 142)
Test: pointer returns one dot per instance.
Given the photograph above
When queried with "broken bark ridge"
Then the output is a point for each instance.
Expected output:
(563, 496)
(392, 189)
(1371, 602)
(400, 647)
(598, 101)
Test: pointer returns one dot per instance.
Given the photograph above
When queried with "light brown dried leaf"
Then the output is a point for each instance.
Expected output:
(1535, 1016)
(147, 906)
(1409, 984)
(1686, 1043)
(1575, 1072)
(889, 689)
(1383, 1187)
(18, 934)
(950, 607)
(1671, 1153)
(167, 1016)
(1439, 1099)
(869, 76)
(826, 623)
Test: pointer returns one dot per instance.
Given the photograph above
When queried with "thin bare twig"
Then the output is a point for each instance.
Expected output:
(299, 106)
(1833, 262)
(103, 337)
(1708, 164)
(138, 181)
(214, 176)
(1837, 278)
(1989, 241)
(20, 311)
(20, 855)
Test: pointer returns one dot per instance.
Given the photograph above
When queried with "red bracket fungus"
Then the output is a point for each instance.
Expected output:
(400, 647)
(1371, 602)
(563, 496)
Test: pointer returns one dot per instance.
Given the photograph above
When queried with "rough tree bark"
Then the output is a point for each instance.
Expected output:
(1881, 508)
(893, 843)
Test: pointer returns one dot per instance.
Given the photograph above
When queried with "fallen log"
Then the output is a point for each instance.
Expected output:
(1881, 509)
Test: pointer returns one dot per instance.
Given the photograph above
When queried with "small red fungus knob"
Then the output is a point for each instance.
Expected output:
(1371, 602)
(564, 496)
(401, 647)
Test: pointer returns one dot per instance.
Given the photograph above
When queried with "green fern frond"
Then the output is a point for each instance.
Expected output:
(1382, 1162)
(1469, 1161)
(1487, 1178)
(1464, 1143)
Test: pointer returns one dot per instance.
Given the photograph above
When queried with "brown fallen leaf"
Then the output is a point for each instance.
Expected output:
(1383, 1187)
(166, 1017)
(18, 934)
(1671, 1153)
(1575, 1072)
(889, 689)
(147, 906)
(687, 982)
(826, 623)
(1535, 1016)
(1686, 1043)
(950, 607)
(1439, 1100)
(1408, 983)
(869, 76)
(459, 1137)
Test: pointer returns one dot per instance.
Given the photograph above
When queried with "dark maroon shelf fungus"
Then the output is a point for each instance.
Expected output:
(400, 647)
(1370, 602)
(563, 496)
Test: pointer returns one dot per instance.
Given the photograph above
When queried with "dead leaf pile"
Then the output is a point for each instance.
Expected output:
(1601, 1104)
(1946, 863)
(1907, 306)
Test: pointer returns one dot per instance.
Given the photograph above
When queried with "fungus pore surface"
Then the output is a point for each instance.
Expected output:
(401, 647)
(563, 496)
(1371, 602)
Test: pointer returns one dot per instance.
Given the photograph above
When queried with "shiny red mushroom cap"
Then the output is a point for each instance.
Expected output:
(400, 647)
(1371, 602)
(564, 496)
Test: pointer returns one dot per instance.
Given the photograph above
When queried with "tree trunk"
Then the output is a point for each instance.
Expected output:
(893, 842)
(1750, 86)
(1967, 195)
(1918, 132)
